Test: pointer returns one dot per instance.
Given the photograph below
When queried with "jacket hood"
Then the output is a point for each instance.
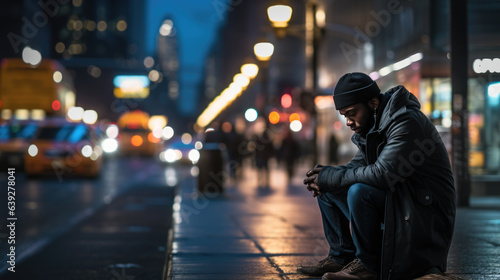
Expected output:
(396, 101)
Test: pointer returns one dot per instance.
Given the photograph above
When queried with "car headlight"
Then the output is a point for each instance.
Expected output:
(96, 153)
(170, 155)
(109, 145)
(33, 150)
(86, 151)
(194, 156)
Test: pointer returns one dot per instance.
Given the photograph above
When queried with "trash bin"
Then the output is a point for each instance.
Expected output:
(211, 175)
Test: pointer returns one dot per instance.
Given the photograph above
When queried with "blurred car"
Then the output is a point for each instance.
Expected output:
(15, 137)
(178, 152)
(135, 136)
(138, 141)
(64, 148)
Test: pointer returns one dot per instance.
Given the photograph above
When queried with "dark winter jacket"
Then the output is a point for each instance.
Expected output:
(404, 154)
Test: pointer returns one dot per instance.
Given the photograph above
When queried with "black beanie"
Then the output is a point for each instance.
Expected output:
(354, 88)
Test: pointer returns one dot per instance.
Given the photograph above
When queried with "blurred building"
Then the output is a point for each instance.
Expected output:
(409, 33)
(168, 56)
(163, 71)
(99, 40)
(95, 40)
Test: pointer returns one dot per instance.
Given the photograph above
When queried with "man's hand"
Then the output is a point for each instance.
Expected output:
(312, 180)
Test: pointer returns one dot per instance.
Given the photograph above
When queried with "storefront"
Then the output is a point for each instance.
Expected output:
(434, 94)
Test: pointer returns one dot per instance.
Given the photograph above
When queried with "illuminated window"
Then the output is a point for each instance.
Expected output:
(102, 26)
(121, 25)
(60, 47)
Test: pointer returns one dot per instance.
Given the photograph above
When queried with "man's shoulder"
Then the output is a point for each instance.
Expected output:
(412, 119)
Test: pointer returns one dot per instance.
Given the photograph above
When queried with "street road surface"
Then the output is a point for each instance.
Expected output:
(48, 207)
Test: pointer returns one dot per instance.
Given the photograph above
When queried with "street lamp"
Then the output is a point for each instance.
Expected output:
(279, 14)
(263, 51)
(241, 80)
(250, 69)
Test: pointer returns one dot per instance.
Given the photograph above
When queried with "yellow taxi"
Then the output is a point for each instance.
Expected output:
(15, 136)
(64, 148)
(135, 137)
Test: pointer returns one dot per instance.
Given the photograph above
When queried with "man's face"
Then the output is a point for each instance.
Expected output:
(359, 118)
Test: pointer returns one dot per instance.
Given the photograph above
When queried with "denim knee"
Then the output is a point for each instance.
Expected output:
(325, 198)
(357, 193)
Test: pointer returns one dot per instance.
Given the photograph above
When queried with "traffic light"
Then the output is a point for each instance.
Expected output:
(274, 117)
(286, 100)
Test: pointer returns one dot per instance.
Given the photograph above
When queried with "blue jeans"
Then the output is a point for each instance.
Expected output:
(364, 207)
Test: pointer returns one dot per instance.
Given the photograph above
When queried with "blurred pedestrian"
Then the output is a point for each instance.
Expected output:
(241, 146)
(333, 150)
(264, 150)
(398, 189)
(229, 140)
(289, 151)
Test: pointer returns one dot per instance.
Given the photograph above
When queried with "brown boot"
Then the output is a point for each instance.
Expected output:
(354, 270)
(324, 266)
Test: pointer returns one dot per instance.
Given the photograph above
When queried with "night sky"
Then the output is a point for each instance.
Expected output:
(196, 22)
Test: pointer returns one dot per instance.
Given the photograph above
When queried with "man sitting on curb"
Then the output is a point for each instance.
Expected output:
(390, 212)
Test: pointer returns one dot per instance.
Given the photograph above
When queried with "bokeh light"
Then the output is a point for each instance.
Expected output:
(75, 113)
(136, 140)
(112, 131)
(294, 117)
(167, 133)
(286, 100)
(296, 126)
(274, 117)
(186, 138)
(90, 116)
(251, 114)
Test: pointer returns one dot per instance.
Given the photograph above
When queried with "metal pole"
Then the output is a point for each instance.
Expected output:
(312, 43)
(459, 78)
(316, 38)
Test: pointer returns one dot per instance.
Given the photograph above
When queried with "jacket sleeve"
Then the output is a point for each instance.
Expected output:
(326, 178)
(397, 160)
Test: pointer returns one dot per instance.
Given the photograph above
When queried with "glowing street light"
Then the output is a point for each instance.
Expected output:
(296, 126)
(251, 114)
(263, 51)
(250, 69)
(241, 80)
(76, 113)
(90, 116)
(279, 15)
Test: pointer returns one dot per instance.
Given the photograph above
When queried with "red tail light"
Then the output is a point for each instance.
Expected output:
(136, 140)
(56, 105)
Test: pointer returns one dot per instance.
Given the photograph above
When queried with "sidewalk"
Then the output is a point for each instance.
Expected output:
(254, 233)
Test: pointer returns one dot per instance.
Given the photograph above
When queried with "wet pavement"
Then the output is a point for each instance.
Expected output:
(124, 240)
(250, 232)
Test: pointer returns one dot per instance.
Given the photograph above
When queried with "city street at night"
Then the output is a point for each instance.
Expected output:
(250, 139)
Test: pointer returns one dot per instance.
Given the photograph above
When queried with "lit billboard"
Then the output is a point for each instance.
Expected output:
(131, 86)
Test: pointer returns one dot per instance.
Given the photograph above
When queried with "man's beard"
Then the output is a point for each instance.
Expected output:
(368, 125)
